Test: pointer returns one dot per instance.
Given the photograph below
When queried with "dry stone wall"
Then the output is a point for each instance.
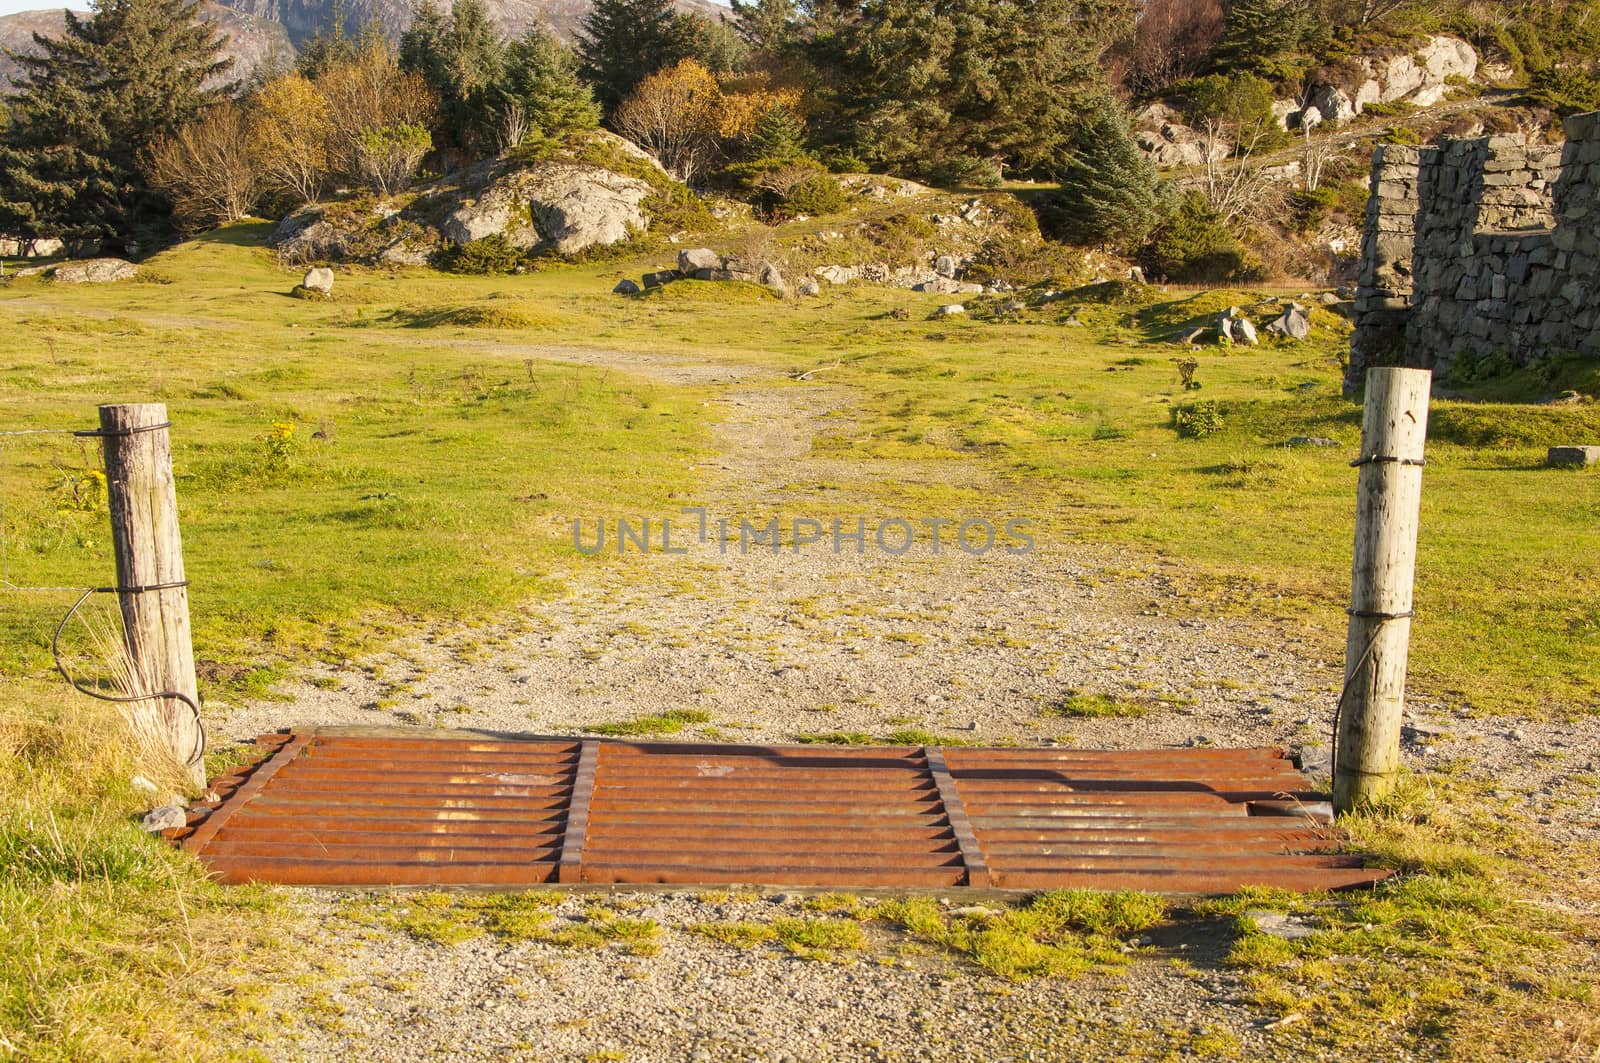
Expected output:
(1488, 246)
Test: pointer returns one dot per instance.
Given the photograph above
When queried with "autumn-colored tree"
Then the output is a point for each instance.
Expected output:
(676, 114)
(371, 95)
(289, 133)
(206, 169)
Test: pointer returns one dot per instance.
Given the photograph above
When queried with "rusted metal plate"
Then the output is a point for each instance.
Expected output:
(343, 807)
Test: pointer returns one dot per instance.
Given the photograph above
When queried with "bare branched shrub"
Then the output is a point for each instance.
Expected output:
(674, 114)
(1238, 189)
(207, 169)
(371, 94)
(289, 131)
(1173, 41)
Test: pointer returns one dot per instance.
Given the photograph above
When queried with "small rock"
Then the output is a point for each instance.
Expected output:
(167, 817)
(1245, 332)
(626, 287)
(1294, 323)
(139, 782)
(319, 279)
(661, 277)
(1311, 441)
(1278, 925)
(945, 266)
(808, 286)
(951, 310)
(1572, 457)
(976, 911)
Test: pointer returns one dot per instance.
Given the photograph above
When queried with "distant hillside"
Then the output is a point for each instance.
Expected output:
(250, 40)
(303, 18)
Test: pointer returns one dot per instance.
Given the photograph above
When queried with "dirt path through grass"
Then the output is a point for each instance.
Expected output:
(1067, 644)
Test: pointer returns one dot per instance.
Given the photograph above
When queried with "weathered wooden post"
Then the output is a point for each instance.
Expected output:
(151, 588)
(1389, 498)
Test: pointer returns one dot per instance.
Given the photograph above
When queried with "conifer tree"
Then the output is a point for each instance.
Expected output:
(540, 85)
(1258, 31)
(90, 104)
(622, 42)
(779, 135)
(1110, 193)
(462, 57)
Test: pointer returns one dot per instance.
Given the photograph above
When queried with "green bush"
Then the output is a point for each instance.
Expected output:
(817, 194)
(1567, 91)
(1196, 247)
(492, 254)
(1197, 420)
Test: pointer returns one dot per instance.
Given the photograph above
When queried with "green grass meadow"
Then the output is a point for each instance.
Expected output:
(413, 450)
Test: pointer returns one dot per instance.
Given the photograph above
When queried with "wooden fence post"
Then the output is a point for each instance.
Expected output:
(150, 581)
(1389, 499)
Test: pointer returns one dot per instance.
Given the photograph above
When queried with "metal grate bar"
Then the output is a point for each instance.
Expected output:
(346, 807)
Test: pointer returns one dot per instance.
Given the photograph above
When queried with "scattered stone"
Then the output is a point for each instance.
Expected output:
(318, 279)
(808, 286)
(945, 266)
(976, 911)
(837, 274)
(1572, 457)
(1136, 275)
(662, 277)
(1188, 339)
(139, 782)
(1311, 441)
(951, 310)
(94, 271)
(626, 287)
(167, 817)
(1225, 324)
(1295, 324)
(769, 277)
(1278, 925)
(1245, 332)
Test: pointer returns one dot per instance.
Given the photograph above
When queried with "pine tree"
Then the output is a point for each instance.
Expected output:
(622, 42)
(779, 136)
(91, 103)
(329, 46)
(1258, 31)
(462, 58)
(1110, 193)
(965, 85)
(540, 85)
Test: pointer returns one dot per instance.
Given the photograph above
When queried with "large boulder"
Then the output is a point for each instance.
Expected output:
(564, 207)
(94, 271)
(309, 235)
(1334, 104)
(698, 258)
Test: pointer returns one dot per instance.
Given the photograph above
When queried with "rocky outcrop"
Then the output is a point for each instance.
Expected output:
(563, 207)
(1162, 135)
(704, 264)
(1421, 78)
(94, 271)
